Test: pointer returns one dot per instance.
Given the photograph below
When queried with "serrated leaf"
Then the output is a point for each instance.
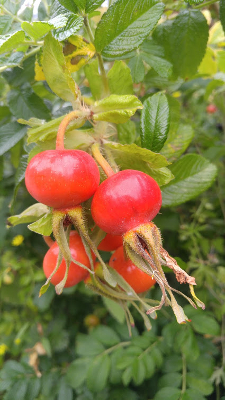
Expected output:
(13, 60)
(11, 41)
(200, 385)
(152, 54)
(88, 346)
(137, 68)
(10, 134)
(119, 79)
(77, 371)
(55, 71)
(24, 103)
(106, 335)
(222, 14)
(31, 214)
(38, 29)
(155, 122)
(177, 142)
(34, 386)
(69, 5)
(98, 373)
(115, 108)
(115, 309)
(193, 175)
(127, 23)
(134, 157)
(5, 23)
(189, 36)
(205, 324)
(126, 132)
(194, 2)
(43, 226)
(168, 393)
(73, 25)
(17, 391)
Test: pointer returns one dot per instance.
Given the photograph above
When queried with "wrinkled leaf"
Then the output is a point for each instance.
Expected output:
(10, 134)
(177, 142)
(73, 25)
(119, 79)
(31, 214)
(43, 226)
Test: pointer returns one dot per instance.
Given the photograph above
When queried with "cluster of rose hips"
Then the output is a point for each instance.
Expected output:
(122, 206)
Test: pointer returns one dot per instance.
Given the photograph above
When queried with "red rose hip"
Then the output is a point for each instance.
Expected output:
(126, 200)
(62, 178)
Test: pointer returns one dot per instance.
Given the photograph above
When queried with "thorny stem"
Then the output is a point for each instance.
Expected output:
(100, 60)
(77, 114)
(101, 160)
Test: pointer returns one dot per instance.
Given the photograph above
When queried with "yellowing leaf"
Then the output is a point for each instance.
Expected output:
(208, 65)
(216, 34)
(39, 74)
(77, 52)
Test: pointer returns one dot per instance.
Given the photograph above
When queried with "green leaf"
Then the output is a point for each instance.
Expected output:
(115, 373)
(127, 376)
(73, 25)
(20, 175)
(88, 346)
(55, 71)
(94, 79)
(31, 214)
(24, 103)
(134, 157)
(138, 371)
(77, 371)
(105, 335)
(193, 175)
(155, 122)
(187, 342)
(64, 391)
(11, 41)
(115, 108)
(205, 324)
(189, 36)
(168, 393)
(69, 5)
(177, 142)
(172, 378)
(98, 373)
(127, 23)
(13, 60)
(38, 29)
(43, 302)
(43, 226)
(91, 5)
(115, 309)
(119, 79)
(203, 366)
(5, 23)
(137, 68)
(149, 365)
(34, 386)
(10, 134)
(17, 391)
(191, 394)
(126, 132)
(194, 2)
(152, 54)
(172, 363)
(200, 385)
(222, 14)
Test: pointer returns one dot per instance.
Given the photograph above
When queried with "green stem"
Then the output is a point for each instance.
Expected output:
(208, 3)
(184, 374)
(117, 346)
(15, 18)
(99, 57)
(27, 55)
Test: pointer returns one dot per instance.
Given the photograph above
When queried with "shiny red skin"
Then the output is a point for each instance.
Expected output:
(76, 273)
(126, 200)
(110, 242)
(62, 178)
(137, 279)
(211, 109)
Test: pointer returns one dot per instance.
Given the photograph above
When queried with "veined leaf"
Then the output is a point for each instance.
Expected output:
(73, 25)
(119, 78)
(127, 23)
(155, 122)
(137, 68)
(222, 14)
(38, 29)
(94, 79)
(10, 134)
(55, 71)
(193, 175)
(177, 142)
(115, 108)
(43, 226)
(11, 41)
(31, 214)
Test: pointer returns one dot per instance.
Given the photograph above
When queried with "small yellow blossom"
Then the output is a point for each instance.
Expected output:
(176, 94)
(17, 240)
(3, 349)
(17, 341)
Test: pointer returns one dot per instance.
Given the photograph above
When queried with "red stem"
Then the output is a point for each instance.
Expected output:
(65, 122)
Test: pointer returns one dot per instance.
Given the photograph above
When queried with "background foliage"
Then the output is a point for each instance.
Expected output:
(77, 346)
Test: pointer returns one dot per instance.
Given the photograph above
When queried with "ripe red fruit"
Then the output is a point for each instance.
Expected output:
(211, 109)
(62, 178)
(126, 200)
(110, 242)
(137, 279)
(76, 273)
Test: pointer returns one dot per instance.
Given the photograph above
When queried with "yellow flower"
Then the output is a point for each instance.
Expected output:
(17, 240)
(17, 341)
(176, 94)
(3, 349)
